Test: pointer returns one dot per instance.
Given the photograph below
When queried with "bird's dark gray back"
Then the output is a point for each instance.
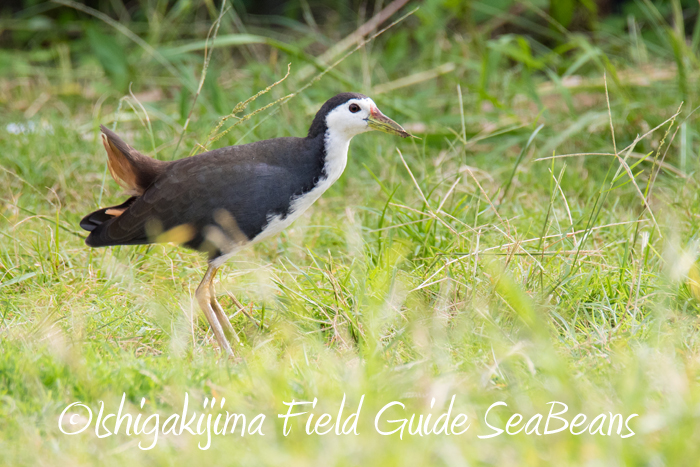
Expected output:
(251, 182)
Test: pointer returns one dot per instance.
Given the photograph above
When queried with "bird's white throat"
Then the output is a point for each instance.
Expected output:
(336, 145)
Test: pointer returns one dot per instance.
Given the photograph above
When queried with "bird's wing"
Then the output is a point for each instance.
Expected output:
(207, 190)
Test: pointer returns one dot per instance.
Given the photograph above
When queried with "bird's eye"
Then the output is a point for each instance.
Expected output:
(354, 108)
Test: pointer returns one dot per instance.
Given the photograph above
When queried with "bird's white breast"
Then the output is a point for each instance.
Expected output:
(336, 145)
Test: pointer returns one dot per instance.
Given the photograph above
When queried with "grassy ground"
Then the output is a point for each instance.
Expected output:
(476, 262)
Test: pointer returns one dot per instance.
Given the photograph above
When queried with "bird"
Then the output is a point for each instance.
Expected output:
(220, 201)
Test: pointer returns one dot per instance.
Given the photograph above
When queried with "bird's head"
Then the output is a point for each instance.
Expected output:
(350, 114)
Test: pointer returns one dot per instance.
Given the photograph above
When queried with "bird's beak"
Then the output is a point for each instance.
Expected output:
(379, 121)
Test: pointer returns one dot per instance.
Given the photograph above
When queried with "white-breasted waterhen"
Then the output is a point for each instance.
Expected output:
(222, 200)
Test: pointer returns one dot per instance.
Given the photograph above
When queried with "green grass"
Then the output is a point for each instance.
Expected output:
(480, 267)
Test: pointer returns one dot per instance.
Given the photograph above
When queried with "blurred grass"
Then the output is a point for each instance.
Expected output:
(500, 273)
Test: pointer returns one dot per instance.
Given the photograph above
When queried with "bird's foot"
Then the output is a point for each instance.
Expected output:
(205, 299)
(223, 319)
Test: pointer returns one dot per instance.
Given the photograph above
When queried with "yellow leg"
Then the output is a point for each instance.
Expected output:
(223, 319)
(204, 298)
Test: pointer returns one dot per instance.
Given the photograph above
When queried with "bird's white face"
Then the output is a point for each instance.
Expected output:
(351, 118)
(357, 116)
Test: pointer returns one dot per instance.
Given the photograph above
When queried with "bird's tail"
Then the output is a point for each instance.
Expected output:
(95, 220)
(132, 170)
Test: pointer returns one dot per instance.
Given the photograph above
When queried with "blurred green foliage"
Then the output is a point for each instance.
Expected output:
(539, 35)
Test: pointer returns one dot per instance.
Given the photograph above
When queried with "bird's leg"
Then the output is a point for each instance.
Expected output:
(203, 295)
(223, 319)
